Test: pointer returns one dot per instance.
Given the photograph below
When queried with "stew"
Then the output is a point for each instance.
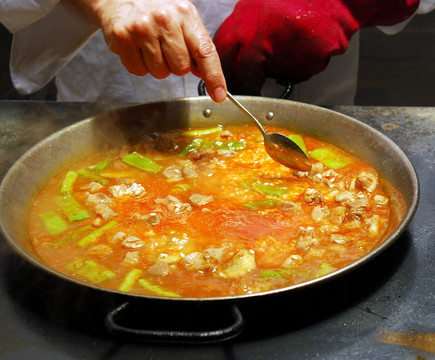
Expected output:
(205, 213)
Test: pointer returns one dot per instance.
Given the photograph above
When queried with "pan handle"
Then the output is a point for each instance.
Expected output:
(285, 95)
(172, 336)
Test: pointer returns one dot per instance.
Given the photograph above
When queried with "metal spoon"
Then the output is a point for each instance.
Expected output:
(279, 147)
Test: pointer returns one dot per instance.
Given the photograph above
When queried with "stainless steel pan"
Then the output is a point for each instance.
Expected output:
(26, 176)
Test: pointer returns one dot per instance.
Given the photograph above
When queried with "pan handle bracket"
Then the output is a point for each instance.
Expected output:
(113, 326)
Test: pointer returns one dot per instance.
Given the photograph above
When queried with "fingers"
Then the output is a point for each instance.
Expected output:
(207, 63)
(165, 37)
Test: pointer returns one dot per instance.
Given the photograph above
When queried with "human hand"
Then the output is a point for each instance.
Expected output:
(294, 40)
(159, 37)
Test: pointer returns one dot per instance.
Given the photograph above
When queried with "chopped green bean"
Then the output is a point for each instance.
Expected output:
(201, 132)
(297, 139)
(130, 279)
(71, 208)
(68, 182)
(94, 235)
(273, 273)
(93, 176)
(53, 222)
(142, 162)
(324, 269)
(90, 270)
(225, 145)
(72, 236)
(156, 289)
(101, 165)
(260, 205)
(330, 158)
(189, 147)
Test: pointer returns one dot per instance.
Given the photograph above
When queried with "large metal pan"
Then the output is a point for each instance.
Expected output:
(27, 175)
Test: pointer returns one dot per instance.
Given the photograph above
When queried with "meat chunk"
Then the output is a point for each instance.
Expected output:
(104, 211)
(201, 154)
(374, 224)
(288, 206)
(344, 196)
(339, 239)
(165, 143)
(132, 257)
(173, 173)
(98, 198)
(132, 242)
(240, 264)
(320, 214)
(198, 199)
(380, 200)
(174, 205)
(292, 260)
(150, 219)
(203, 260)
(313, 196)
(93, 187)
(366, 181)
(160, 268)
(189, 170)
(338, 214)
(358, 207)
(306, 238)
(123, 190)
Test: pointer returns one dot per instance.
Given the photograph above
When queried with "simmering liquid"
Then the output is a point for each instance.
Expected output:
(206, 213)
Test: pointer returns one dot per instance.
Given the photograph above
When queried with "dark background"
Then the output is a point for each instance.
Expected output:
(396, 70)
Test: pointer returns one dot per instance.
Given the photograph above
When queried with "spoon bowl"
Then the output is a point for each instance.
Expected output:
(279, 147)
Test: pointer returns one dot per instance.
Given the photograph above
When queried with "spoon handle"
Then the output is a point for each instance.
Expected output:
(246, 112)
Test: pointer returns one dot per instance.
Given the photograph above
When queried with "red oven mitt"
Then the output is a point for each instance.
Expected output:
(293, 40)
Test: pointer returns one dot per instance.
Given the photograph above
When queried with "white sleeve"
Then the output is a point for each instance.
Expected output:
(40, 50)
(424, 7)
(17, 14)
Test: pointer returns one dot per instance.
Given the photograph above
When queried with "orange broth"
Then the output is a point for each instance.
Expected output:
(224, 220)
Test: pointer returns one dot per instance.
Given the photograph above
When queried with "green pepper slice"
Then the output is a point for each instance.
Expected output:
(142, 162)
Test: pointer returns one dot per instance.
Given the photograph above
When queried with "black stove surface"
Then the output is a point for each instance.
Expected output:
(362, 315)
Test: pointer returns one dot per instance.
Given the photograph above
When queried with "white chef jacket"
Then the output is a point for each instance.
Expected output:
(51, 39)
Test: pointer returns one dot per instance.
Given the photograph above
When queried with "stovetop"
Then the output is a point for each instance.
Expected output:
(382, 310)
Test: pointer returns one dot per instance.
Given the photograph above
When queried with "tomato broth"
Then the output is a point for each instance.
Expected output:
(206, 213)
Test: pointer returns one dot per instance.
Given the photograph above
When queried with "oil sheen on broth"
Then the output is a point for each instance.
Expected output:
(206, 213)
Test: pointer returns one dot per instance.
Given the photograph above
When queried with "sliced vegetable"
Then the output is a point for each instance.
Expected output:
(324, 269)
(72, 236)
(93, 176)
(156, 289)
(189, 147)
(94, 235)
(266, 189)
(71, 208)
(68, 182)
(130, 279)
(101, 165)
(330, 158)
(142, 162)
(225, 145)
(201, 132)
(260, 205)
(53, 222)
(297, 139)
(90, 270)
(273, 273)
